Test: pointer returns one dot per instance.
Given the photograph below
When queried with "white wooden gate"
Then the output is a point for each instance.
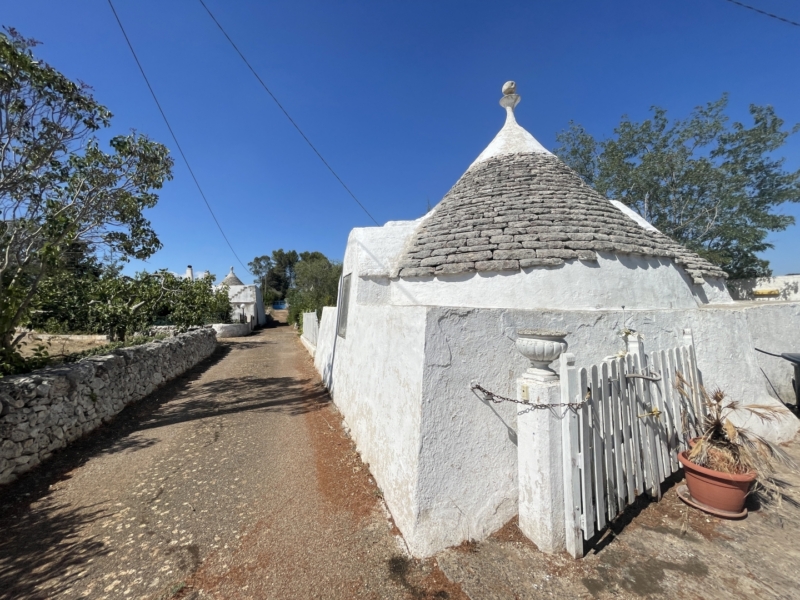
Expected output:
(625, 438)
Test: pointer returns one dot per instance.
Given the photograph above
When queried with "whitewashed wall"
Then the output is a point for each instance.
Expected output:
(377, 385)
(788, 287)
(468, 459)
(775, 327)
(326, 346)
(310, 327)
(447, 461)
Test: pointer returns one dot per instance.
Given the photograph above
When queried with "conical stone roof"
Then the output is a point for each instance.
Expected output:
(232, 279)
(519, 206)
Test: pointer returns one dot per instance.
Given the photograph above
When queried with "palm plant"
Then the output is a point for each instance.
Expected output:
(728, 448)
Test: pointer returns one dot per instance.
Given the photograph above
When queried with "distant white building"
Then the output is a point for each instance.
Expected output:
(246, 300)
(786, 287)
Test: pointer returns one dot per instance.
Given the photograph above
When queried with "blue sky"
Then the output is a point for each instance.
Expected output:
(399, 97)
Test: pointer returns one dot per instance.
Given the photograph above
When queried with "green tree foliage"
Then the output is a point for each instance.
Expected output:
(62, 302)
(316, 285)
(708, 183)
(119, 306)
(260, 266)
(58, 187)
(275, 274)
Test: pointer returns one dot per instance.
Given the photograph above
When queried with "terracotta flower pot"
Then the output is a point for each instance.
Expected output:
(723, 491)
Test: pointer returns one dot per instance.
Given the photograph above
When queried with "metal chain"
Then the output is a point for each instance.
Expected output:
(497, 399)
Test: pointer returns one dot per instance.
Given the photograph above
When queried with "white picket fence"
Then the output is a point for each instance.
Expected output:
(625, 438)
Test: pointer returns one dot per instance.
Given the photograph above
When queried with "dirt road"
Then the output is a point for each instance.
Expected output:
(234, 481)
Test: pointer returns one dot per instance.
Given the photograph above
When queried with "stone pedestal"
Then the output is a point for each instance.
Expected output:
(541, 478)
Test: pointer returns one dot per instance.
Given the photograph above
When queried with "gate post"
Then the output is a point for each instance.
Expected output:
(541, 479)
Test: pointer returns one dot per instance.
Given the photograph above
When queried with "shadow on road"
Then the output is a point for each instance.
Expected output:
(38, 547)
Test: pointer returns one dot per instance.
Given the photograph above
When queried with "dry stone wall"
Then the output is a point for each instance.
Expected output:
(45, 410)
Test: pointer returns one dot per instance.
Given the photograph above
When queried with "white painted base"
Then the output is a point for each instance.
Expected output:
(541, 481)
(229, 330)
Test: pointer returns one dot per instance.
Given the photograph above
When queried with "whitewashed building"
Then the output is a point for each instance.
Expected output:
(247, 304)
(428, 306)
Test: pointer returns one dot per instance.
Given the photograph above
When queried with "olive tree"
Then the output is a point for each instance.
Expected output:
(58, 185)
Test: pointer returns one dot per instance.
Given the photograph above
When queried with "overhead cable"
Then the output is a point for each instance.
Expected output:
(296, 126)
(174, 137)
(763, 12)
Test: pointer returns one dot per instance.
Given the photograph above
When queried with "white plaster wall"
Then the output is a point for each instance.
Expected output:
(377, 385)
(614, 281)
(788, 287)
(468, 462)
(250, 296)
(775, 327)
(326, 346)
(310, 328)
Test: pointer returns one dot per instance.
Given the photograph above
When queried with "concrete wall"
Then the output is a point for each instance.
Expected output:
(45, 410)
(787, 286)
(325, 353)
(467, 484)
(377, 375)
(310, 328)
(775, 327)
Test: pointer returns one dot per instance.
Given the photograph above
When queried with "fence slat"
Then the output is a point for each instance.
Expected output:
(645, 430)
(608, 442)
(699, 403)
(570, 431)
(618, 428)
(598, 450)
(688, 404)
(669, 410)
(636, 445)
(627, 436)
(586, 460)
(614, 447)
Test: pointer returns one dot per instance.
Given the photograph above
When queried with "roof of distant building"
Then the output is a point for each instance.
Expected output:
(232, 279)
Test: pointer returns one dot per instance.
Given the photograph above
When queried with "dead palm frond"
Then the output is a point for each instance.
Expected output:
(723, 446)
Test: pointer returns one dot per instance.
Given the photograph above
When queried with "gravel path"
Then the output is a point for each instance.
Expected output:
(234, 481)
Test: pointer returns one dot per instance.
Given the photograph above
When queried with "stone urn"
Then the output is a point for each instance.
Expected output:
(541, 347)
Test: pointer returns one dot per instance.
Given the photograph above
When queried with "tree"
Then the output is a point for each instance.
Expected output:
(709, 184)
(63, 299)
(260, 266)
(58, 187)
(123, 305)
(316, 285)
(275, 274)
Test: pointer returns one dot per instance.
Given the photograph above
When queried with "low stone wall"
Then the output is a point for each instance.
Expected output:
(45, 410)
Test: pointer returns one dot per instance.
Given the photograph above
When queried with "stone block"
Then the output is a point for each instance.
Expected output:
(513, 254)
(497, 265)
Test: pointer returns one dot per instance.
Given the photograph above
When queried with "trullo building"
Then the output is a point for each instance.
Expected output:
(428, 306)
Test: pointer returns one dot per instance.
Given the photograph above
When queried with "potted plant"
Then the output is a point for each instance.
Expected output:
(727, 462)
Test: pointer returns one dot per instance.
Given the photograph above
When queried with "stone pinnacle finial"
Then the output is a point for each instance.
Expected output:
(510, 97)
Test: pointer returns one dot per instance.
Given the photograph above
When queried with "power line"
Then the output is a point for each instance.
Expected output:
(763, 12)
(296, 126)
(174, 137)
